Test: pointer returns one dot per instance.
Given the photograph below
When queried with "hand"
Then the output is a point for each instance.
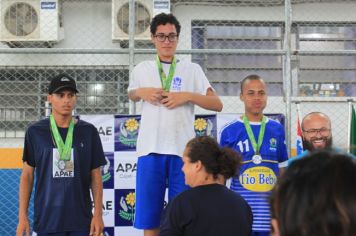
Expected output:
(172, 100)
(23, 227)
(96, 226)
(151, 95)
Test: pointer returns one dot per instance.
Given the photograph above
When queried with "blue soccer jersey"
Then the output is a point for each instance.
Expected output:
(257, 175)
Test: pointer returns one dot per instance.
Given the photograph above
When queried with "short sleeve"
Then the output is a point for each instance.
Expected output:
(222, 138)
(201, 81)
(134, 80)
(28, 151)
(98, 157)
(282, 150)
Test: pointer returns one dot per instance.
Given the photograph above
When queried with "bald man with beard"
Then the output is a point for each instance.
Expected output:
(316, 133)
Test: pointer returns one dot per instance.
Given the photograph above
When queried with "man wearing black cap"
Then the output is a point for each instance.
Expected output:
(66, 155)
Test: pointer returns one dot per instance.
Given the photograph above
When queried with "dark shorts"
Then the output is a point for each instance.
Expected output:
(260, 233)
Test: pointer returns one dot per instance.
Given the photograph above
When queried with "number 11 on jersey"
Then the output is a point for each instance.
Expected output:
(241, 145)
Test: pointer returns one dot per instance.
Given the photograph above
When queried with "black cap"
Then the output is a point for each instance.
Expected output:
(62, 81)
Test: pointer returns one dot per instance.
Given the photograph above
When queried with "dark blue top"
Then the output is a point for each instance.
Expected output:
(207, 210)
(62, 203)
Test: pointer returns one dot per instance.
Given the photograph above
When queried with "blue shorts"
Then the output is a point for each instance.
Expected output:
(154, 173)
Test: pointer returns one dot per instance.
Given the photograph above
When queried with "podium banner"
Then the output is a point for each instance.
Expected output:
(118, 134)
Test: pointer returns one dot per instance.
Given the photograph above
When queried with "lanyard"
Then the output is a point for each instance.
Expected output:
(63, 148)
(256, 146)
(166, 81)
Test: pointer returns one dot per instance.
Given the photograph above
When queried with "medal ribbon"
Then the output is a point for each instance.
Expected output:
(64, 149)
(256, 146)
(166, 81)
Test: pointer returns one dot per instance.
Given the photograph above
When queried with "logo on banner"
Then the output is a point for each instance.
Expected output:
(107, 171)
(127, 132)
(107, 207)
(125, 203)
(205, 125)
(105, 133)
(126, 170)
(105, 127)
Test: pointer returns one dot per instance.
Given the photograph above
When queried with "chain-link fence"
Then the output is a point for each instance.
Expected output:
(9, 202)
(302, 48)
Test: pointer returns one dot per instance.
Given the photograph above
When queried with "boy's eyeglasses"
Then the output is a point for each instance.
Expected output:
(163, 37)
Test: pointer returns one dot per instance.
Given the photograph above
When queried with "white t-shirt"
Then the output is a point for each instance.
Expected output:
(162, 130)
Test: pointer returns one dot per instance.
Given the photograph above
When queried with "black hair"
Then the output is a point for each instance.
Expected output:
(216, 160)
(317, 196)
(248, 78)
(163, 19)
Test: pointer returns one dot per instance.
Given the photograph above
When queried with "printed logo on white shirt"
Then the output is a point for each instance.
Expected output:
(177, 84)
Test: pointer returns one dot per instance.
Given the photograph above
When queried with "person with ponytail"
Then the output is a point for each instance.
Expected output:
(209, 208)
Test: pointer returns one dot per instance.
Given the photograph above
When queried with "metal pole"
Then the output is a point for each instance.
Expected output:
(39, 93)
(321, 99)
(132, 105)
(287, 70)
(349, 126)
(108, 51)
